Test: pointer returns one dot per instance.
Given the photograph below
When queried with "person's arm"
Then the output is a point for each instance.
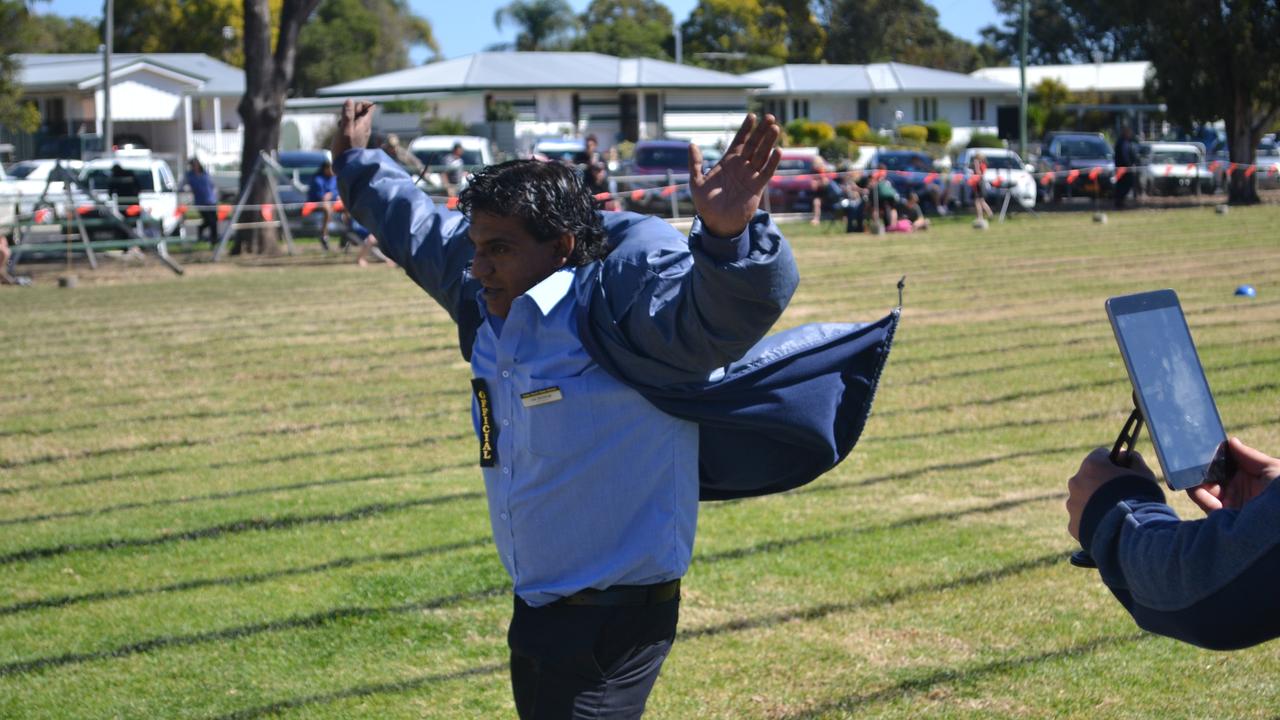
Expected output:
(433, 248)
(1212, 582)
(690, 308)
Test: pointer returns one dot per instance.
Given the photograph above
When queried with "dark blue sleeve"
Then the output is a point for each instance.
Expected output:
(1213, 582)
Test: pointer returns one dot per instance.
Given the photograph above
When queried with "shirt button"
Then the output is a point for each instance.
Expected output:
(503, 516)
(505, 422)
(506, 373)
(506, 470)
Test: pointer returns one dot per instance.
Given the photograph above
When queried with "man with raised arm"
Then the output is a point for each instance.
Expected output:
(592, 490)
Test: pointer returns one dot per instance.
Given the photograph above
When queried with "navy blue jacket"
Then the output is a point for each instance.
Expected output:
(773, 413)
(1213, 582)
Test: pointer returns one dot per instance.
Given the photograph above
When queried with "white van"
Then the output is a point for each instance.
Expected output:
(433, 151)
(157, 188)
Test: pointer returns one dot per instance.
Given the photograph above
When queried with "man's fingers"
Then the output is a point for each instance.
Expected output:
(695, 165)
(766, 173)
(744, 132)
(1204, 499)
(1249, 460)
(765, 135)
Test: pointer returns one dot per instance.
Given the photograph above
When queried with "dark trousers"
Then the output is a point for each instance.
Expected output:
(209, 220)
(587, 661)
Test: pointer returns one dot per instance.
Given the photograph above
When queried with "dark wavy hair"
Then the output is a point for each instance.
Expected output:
(550, 198)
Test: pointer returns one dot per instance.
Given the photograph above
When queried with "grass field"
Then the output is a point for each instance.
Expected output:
(251, 492)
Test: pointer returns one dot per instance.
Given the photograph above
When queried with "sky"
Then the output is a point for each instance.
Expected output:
(466, 27)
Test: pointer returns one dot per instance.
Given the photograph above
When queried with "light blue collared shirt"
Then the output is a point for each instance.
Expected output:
(593, 488)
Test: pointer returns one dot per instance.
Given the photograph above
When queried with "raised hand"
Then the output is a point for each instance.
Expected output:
(727, 196)
(1254, 472)
(355, 125)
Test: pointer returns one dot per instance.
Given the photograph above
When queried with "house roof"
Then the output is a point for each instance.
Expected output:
(1089, 77)
(540, 71)
(890, 78)
(208, 76)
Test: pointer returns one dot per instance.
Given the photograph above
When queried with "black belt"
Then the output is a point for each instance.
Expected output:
(624, 595)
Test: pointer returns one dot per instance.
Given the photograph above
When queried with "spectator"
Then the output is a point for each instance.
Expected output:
(1209, 582)
(597, 181)
(855, 189)
(454, 168)
(827, 191)
(205, 196)
(592, 153)
(980, 206)
(324, 190)
(5, 254)
(884, 199)
(368, 244)
(913, 213)
(1126, 157)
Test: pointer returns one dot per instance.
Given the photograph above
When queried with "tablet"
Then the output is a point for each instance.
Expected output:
(1170, 387)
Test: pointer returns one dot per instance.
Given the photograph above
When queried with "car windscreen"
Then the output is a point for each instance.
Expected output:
(102, 179)
(1175, 157)
(440, 158)
(905, 162)
(1002, 162)
(21, 170)
(676, 158)
(1084, 148)
(795, 165)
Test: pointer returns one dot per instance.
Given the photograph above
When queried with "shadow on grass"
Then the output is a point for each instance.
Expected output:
(183, 443)
(282, 522)
(286, 457)
(64, 601)
(776, 545)
(303, 622)
(889, 597)
(359, 691)
(229, 495)
(963, 674)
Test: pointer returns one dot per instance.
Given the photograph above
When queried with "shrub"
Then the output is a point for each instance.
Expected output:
(985, 140)
(855, 130)
(939, 132)
(443, 126)
(626, 149)
(835, 149)
(803, 131)
(916, 134)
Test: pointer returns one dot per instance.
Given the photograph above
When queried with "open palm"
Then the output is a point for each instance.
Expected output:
(727, 195)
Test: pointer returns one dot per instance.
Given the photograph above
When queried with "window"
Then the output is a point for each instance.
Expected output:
(777, 108)
(864, 109)
(978, 109)
(926, 109)
(799, 109)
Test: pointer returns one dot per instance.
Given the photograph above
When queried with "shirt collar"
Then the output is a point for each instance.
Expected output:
(546, 294)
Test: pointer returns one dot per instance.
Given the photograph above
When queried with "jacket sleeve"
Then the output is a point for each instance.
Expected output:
(1213, 582)
(432, 246)
(687, 308)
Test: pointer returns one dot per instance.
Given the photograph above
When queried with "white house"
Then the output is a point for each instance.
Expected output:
(557, 93)
(173, 103)
(885, 95)
(1112, 87)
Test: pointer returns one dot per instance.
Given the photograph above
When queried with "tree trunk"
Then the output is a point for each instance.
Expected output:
(267, 77)
(1242, 145)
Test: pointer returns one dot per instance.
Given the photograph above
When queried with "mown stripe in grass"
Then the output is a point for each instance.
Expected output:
(234, 527)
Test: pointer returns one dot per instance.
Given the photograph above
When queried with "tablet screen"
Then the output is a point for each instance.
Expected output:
(1166, 370)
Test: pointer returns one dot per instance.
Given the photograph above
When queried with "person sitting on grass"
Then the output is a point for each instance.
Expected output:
(913, 213)
(324, 190)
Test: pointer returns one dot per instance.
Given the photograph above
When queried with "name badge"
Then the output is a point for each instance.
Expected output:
(488, 448)
(541, 397)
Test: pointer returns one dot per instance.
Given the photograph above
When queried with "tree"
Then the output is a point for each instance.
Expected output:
(627, 28)
(1058, 32)
(1044, 112)
(268, 75)
(350, 39)
(806, 37)
(864, 31)
(56, 34)
(159, 26)
(15, 114)
(735, 36)
(545, 24)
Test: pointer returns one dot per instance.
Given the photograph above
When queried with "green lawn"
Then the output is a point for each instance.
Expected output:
(251, 492)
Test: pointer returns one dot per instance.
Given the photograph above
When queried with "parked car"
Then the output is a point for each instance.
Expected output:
(1064, 152)
(1006, 173)
(1268, 162)
(157, 188)
(562, 149)
(658, 159)
(30, 178)
(8, 203)
(791, 189)
(1173, 168)
(434, 150)
(907, 172)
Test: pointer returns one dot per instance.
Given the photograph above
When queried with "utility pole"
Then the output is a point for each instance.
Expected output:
(1022, 85)
(675, 30)
(107, 134)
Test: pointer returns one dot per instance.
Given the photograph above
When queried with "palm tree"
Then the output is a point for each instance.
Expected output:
(544, 23)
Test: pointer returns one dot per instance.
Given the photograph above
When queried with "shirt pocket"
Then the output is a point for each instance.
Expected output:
(564, 427)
